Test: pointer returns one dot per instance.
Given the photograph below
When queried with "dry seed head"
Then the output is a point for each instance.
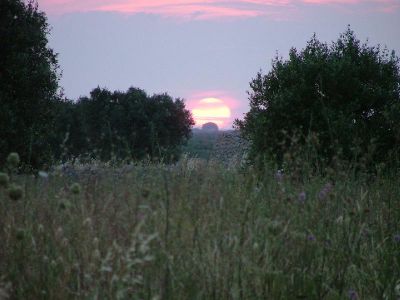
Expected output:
(15, 192)
(59, 233)
(20, 234)
(64, 242)
(87, 222)
(96, 254)
(75, 188)
(13, 159)
(4, 179)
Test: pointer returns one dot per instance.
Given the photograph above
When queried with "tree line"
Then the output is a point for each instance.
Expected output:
(122, 125)
(332, 101)
(43, 127)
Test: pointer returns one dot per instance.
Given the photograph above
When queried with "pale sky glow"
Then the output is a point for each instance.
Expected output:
(211, 109)
(206, 9)
(199, 50)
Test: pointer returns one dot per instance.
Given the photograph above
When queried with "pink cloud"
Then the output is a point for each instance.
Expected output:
(206, 9)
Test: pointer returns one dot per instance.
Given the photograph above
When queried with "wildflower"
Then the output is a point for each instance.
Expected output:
(397, 288)
(352, 294)
(4, 179)
(311, 238)
(75, 188)
(87, 222)
(325, 191)
(279, 175)
(396, 238)
(96, 254)
(256, 246)
(13, 159)
(15, 192)
(302, 197)
(43, 174)
(59, 233)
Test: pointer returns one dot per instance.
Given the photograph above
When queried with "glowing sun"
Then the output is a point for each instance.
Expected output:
(211, 110)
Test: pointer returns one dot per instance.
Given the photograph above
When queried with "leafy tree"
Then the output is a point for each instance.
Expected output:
(347, 94)
(28, 83)
(126, 125)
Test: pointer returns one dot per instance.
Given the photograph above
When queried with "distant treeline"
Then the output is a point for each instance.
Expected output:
(123, 125)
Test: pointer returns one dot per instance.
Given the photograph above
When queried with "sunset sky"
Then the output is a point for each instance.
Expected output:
(203, 51)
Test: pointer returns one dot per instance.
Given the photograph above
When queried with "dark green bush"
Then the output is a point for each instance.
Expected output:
(346, 95)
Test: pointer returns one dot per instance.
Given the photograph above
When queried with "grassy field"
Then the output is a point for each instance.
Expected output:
(198, 231)
(201, 144)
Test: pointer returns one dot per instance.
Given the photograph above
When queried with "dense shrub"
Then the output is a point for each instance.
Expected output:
(345, 95)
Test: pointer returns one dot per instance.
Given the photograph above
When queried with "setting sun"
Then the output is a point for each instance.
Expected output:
(211, 110)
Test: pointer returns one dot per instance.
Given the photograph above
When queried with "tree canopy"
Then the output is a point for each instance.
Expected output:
(346, 94)
(28, 83)
(123, 125)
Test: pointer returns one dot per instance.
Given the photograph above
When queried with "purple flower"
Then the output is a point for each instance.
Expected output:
(324, 192)
(302, 197)
(396, 238)
(352, 294)
(311, 238)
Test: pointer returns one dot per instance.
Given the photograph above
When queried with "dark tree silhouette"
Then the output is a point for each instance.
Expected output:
(209, 126)
(126, 125)
(347, 94)
(28, 83)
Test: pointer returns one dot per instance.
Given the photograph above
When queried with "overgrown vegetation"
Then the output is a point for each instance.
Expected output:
(199, 231)
(201, 144)
(319, 218)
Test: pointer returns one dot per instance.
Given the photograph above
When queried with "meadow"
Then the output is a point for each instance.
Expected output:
(199, 230)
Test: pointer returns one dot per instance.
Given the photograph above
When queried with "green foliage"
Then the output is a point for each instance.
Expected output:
(201, 143)
(345, 95)
(124, 125)
(28, 83)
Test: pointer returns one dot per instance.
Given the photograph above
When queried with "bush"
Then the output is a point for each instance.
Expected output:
(345, 95)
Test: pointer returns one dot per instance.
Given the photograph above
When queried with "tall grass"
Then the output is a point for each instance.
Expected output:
(200, 231)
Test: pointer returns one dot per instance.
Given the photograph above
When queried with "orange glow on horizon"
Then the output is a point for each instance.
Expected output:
(211, 110)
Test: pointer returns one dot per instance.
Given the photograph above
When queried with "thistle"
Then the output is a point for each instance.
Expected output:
(15, 192)
(75, 188)
(13, 159)
(20, 234)
(4, 179)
